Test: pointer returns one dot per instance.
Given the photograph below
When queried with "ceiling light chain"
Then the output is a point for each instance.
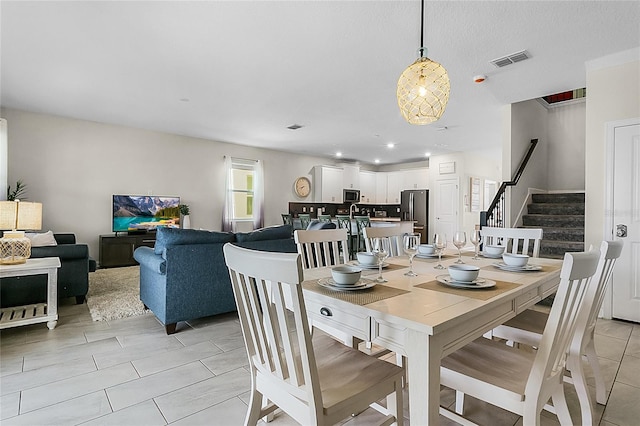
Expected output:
(423, 88)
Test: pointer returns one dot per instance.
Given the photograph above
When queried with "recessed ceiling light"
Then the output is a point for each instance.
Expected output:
(338, 154)
(391, 145)
(377, 161)
(184, 100)
(427, 154)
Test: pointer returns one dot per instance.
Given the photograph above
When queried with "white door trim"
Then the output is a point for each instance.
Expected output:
(607, 232)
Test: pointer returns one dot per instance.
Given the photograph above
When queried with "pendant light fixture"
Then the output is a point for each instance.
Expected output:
(423, 88)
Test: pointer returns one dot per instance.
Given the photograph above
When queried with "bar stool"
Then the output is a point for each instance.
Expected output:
(286, 219)
(344, 221)
(305, 219)
(361, 223)
(324, 217)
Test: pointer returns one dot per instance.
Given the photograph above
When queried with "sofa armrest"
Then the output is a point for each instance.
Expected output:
(64, 251)
(146, 256)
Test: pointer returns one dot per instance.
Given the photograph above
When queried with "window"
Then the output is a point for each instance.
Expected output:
(244, 194)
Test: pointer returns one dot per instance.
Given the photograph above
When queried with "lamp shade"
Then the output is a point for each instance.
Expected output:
(423, 91)
(20, 215)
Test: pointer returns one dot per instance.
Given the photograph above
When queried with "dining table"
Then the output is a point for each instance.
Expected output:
(422, 317)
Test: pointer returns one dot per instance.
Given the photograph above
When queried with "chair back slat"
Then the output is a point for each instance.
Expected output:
(515, 240)
(278, 339)
(392, 235)
(572, 296)
(322, 247)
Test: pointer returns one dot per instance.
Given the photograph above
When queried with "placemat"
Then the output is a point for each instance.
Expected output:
(480, 294)
(360, 297)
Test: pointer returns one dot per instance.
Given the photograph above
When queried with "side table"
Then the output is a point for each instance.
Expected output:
(40, 312)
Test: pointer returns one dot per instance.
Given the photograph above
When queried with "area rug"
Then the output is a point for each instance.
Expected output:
(114, 293)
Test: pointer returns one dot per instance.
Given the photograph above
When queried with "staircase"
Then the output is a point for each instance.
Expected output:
(561, 217)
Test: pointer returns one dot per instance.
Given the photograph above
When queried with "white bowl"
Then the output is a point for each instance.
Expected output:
(493, 250)
(464, 273)
(515, 259)
(367, 258)
(426, 249)
(346, 275)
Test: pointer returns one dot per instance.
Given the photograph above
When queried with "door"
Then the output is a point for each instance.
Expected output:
(626, 222)
(446, 205)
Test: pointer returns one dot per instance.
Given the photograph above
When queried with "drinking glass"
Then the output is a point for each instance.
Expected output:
(476, 238)
(381, 254)
(410, 246)
(459, 240)
(440, 243)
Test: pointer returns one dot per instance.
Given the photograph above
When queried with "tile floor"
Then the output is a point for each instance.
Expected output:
(129, 372)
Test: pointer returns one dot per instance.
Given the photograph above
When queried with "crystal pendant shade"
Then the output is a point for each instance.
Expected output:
(423, 91)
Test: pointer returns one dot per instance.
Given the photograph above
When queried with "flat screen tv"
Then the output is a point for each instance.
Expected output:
(141, 213)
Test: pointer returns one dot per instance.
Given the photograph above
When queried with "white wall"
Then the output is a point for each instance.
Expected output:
(613, 85)
(74, 166)
(528, 121)
(4, 160)
(566, 150)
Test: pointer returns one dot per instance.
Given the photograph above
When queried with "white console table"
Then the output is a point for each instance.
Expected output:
(40, 312)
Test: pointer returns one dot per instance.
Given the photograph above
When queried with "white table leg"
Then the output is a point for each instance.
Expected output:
(52, 298)
(424, 353)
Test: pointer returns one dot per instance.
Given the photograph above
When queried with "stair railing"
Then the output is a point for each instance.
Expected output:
(494, 216)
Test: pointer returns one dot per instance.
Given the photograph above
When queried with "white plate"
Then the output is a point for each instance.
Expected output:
(362, 284)
(427, 256)
(384, 265)
(490, 256)
(525, 268)
(477, 283)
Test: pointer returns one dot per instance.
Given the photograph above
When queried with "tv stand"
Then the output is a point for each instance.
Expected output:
(117, 249)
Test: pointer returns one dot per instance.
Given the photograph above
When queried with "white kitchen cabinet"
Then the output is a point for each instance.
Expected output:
(381, 187)
(350, 176)
(368, 187)
(394, 186)
(415, 178)
(327, 184)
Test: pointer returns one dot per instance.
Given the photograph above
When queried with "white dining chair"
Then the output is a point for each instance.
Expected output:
(322, 247)
(315, 380)
(523, 381)
(517, 240)
(528, 328)
(392, 237)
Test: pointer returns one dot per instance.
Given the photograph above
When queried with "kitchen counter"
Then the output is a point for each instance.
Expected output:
(385, 219)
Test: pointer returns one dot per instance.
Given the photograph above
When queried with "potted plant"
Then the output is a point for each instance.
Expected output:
(185, 220)
(18, 192)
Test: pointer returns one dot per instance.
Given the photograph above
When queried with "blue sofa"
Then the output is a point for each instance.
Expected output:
(184, 275)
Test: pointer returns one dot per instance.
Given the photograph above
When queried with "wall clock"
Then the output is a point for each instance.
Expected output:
(302, 186)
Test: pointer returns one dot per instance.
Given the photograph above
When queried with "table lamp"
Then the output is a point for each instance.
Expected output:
(15, 218)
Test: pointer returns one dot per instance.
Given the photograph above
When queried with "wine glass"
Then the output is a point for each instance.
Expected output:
(410, 243)
(440, 243)
(459, 240)
(381, 254)
(476, 238)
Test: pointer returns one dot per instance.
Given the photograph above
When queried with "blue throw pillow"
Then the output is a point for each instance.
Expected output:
(176, 236)
(277, 232)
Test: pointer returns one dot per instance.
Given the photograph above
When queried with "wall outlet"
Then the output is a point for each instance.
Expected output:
(398, 210)
(304, 209)
(311, 209)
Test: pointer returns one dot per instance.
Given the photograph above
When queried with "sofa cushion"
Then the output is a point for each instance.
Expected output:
(176, 236)
(276, 232)
(42, 239)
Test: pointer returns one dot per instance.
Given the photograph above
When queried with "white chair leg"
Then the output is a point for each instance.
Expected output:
(255, 408)
(561, 407)
(394, 404)
(574, 365)
(459, 402)
(592, 357)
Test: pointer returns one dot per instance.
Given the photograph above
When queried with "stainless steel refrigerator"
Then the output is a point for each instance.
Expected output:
(414, 205)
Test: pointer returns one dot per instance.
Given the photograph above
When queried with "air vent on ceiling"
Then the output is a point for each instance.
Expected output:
(511, 59)
(294, 127)
(565, 97)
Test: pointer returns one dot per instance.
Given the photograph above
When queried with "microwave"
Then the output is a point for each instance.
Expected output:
(350, 195)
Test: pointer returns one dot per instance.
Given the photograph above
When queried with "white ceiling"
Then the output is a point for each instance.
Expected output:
(243, 71)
